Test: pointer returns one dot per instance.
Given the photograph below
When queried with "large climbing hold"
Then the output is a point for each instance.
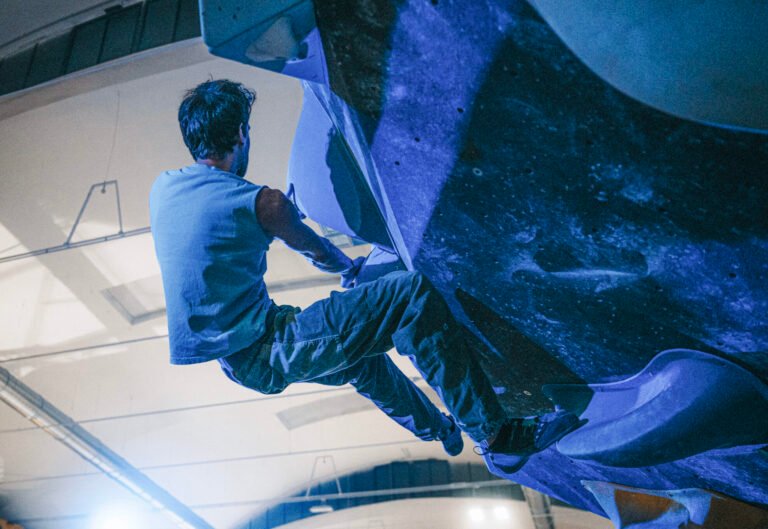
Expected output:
(634, 508)
(279, 35)
(324, 179)
(683, 403)
(704, 61)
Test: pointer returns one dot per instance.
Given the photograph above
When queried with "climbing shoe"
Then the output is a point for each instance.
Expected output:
(450, 436)
(520, 438)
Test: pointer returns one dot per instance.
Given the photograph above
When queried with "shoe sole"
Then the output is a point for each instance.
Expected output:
(525, 457)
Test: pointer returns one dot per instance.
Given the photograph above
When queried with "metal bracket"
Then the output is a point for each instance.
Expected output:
(103, 186)
(68, 244)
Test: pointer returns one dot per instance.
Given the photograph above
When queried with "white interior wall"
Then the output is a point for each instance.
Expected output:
(458, 513)
(51, 155)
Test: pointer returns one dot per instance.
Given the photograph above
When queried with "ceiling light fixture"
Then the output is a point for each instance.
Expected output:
(501, 513)
(476, 514)
(116, 517)
(322, 507)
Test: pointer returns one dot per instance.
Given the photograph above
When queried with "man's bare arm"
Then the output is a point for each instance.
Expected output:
(280, 219)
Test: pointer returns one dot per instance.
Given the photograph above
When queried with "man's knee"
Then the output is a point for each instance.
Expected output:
(422, 285)
(409, 288)
(403, 281)
(412, 278)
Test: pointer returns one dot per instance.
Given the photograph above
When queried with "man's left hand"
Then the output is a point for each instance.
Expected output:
(349, 276)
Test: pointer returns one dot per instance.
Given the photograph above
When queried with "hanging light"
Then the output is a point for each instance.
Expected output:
(321, 508)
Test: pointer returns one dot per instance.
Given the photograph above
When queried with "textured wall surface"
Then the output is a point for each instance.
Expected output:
(575, 230)
(600, 229)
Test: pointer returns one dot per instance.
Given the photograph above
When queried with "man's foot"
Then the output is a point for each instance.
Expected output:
(521, 438)
(450, 436)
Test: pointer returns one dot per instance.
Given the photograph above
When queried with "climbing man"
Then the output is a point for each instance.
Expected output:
(212, 229)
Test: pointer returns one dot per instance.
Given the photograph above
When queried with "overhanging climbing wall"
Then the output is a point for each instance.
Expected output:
(578, 232)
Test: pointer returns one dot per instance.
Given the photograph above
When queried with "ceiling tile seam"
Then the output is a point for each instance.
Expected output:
(84, 348)
(458, 486)
(365, 494)
(281, 286)
(273, 455)
(257, 400)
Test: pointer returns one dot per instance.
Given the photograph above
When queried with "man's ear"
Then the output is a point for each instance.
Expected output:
(242, 132)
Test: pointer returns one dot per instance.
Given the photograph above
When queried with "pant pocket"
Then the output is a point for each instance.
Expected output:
(250, 368)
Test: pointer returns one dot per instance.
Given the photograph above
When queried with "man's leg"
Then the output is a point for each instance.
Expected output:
(379, 379)
(401, 309)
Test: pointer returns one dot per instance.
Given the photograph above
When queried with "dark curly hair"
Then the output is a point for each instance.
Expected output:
(210, 116)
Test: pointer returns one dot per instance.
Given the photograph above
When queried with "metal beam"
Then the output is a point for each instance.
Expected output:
(68, 244)
(78, 244)
(403, 491)
(66, 430)
(540, 507)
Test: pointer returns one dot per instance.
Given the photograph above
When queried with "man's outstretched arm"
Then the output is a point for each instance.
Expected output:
(280, 219)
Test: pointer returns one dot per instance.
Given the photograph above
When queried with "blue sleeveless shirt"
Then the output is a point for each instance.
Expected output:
(212, 255)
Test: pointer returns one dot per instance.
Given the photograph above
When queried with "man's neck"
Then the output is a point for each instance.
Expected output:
(223, 164)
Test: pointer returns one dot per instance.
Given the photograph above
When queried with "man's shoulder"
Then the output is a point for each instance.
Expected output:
(169, 175)
(197, 174)
(185, 171)
(272, 197)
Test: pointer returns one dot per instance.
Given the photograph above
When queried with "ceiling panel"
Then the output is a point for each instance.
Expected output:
(22, 21)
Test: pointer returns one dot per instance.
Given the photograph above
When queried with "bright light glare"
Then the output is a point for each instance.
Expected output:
(501, 513)
(476, 514)
(115, 518)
